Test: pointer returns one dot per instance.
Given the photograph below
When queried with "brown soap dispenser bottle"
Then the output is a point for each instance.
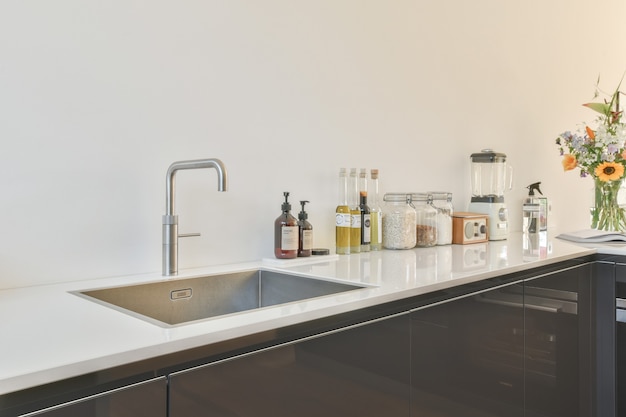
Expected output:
(286, 234)
(305, 241)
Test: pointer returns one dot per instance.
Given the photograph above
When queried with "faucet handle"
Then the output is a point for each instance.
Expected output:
(189, 234)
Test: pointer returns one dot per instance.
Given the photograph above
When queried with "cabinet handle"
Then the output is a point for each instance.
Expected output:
(620, 310)
(536, 307)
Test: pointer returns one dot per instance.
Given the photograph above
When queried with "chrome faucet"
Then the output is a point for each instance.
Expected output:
(170, 220)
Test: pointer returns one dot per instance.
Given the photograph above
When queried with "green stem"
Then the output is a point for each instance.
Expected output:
(607, 214)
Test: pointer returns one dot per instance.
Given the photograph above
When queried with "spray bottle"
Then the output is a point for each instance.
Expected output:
(535, 210)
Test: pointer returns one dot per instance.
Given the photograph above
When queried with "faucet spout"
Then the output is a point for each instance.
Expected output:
(170, 220)
(170, 179)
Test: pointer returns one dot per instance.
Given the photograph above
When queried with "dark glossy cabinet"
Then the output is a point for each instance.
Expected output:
(522, 349)
(620, 334)
(526, 348)
(360, 371)
(147, 399)
(558, 339)
(467, 359)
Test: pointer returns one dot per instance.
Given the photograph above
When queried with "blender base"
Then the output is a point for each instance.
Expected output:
(498, 218)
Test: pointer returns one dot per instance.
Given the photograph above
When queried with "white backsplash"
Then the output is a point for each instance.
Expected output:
(98, 99)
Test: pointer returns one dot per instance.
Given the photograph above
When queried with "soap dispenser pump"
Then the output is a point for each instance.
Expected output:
(305, 241)
(286, 232)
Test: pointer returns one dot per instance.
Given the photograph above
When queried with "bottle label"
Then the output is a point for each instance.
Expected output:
(307, 239)
(378, 220)
(355, 221)
(365, 229)
(543, 213)
(289, 238)
(342, 219)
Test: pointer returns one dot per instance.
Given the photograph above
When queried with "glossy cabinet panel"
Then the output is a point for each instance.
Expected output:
(558, 343)
(360, 371)
(620, 334)
(525, 349)
(146, 399)
(467, 358)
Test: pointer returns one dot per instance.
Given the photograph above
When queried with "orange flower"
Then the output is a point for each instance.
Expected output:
(590, 133)
(609, 171)
(569, 162)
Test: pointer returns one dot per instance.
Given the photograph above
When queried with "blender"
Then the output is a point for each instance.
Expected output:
(489, 181)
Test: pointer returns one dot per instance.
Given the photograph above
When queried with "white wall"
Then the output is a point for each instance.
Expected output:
(98, 98)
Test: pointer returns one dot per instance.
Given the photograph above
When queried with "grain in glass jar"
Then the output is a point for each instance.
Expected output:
(399, 221)
(426, 222)
(442, 201)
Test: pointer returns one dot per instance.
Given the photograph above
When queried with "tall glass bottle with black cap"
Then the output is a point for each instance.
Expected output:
(355, 212)
(365, 212)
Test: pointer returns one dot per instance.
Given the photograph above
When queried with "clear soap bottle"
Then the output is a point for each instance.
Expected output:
(342, 216)
(355, 212)
(376, 214)
(286, 232)
(365, 212)
(305, 242)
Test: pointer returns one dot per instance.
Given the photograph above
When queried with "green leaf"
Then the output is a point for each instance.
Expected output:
(601, 108)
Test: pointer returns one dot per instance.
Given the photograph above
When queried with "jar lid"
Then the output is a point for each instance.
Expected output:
(441, 195)
(421, 197)
(397, 197)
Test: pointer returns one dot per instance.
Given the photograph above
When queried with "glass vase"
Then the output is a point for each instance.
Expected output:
(607, 214)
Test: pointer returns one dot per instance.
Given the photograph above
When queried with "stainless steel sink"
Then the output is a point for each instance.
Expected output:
(179, 301)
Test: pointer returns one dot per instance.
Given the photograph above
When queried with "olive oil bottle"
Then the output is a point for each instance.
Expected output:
(376, 214)
(355, 212)
(342, 216)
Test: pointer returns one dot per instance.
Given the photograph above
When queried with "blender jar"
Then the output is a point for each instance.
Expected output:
(489, 174)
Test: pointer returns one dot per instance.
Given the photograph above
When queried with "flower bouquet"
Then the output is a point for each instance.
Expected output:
(600, 153)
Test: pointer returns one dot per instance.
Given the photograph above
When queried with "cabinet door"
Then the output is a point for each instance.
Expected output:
(360, 371)
(564, 314)
(147, 399)
(468, 356)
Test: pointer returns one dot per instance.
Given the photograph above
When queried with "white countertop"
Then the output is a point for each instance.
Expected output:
(49, 334)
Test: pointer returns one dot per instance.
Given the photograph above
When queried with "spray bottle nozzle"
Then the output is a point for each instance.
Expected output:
(303, 215)
(534, 186)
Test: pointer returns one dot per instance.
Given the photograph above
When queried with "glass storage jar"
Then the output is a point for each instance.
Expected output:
(399, 221)
(442, 201)
(426, 224)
